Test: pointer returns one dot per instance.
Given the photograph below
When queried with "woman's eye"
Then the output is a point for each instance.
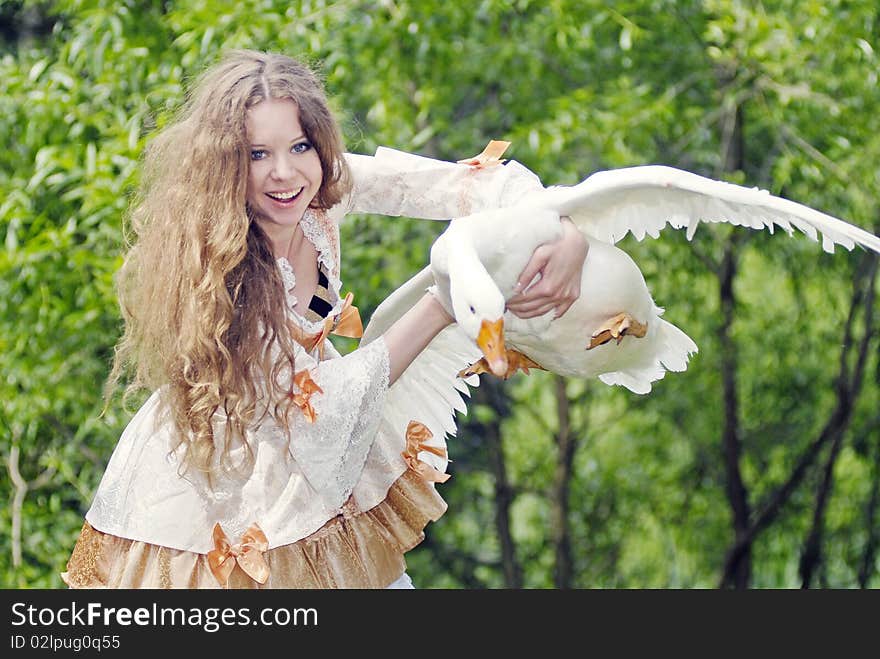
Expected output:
(258, 154)
(301, 147)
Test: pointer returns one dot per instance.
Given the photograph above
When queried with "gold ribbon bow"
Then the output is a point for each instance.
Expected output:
(489, 157)
(416, 436)
(346, 323)
(248, 554)
(307, 387)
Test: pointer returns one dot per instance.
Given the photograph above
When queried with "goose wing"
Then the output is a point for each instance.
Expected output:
(429, 390)
(643, 200)
(395, 305)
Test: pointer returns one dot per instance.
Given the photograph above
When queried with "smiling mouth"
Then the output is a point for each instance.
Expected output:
(285, 197)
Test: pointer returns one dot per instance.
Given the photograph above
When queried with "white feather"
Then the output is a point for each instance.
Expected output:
(643, 200)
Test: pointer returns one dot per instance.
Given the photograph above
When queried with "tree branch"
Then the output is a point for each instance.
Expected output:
(566, 443)
(21, 489)
(838, 418)
(496, 397)
(739, 573)
(869, 555)
(811, 555)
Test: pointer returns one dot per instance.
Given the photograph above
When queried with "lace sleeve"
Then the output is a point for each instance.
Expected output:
(397, 183)
(331, 450)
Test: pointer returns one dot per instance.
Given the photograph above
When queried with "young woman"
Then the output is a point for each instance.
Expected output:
(257, 461)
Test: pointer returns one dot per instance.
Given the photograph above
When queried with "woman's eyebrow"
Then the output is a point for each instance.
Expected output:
(295, 139)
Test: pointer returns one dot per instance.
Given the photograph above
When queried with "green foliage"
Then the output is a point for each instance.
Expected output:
(576, 85)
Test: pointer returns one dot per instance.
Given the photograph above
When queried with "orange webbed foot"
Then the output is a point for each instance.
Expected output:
(516, 361)
(623, 324)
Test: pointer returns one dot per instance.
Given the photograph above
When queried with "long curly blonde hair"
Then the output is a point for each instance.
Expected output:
(203, 303)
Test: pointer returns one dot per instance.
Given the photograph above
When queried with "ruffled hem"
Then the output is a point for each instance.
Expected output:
(360, 550)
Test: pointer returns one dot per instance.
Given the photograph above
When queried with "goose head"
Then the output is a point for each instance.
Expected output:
(478, 305)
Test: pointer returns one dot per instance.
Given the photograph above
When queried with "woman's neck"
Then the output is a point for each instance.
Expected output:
(286, 241)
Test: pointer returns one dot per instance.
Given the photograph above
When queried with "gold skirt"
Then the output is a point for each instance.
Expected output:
(361, 550)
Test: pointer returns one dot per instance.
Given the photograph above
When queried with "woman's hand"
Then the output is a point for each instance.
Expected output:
(560, 265)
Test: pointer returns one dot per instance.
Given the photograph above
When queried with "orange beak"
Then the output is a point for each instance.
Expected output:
(491, 342)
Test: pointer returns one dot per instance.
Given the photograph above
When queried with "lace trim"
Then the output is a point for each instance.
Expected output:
(319, 230)
(288, 278)
(322, 233)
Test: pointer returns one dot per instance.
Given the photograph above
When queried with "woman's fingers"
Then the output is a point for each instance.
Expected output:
(533, 311)
(536, 264)
(560, 265)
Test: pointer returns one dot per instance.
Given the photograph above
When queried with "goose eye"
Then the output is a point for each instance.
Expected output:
(472, 309)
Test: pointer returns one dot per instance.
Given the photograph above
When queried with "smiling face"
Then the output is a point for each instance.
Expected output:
(285, 170)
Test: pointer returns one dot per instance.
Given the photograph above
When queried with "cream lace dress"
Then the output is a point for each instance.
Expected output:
(338, 505)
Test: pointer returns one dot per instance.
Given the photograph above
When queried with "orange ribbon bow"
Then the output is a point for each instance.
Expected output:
(489, 157)
(248, 554)
(416, 436)
(307, 387)
(346, 323)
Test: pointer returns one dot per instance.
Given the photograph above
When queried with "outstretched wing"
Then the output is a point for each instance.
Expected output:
(643, 200)
(429, 390)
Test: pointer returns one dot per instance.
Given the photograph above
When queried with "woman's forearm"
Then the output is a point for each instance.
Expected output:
(412, 333)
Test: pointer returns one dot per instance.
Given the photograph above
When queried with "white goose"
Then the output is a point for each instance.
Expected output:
(614, 330)
(478, 276)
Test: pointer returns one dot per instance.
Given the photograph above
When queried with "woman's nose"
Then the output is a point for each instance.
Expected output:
(284, 168)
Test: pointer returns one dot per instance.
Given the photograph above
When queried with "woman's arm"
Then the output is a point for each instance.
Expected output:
(412, 333)
(397, 183)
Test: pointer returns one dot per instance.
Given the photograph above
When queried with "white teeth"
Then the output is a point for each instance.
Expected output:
(284, 196)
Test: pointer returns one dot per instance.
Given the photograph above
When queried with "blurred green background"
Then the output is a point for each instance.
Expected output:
(758, 467)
